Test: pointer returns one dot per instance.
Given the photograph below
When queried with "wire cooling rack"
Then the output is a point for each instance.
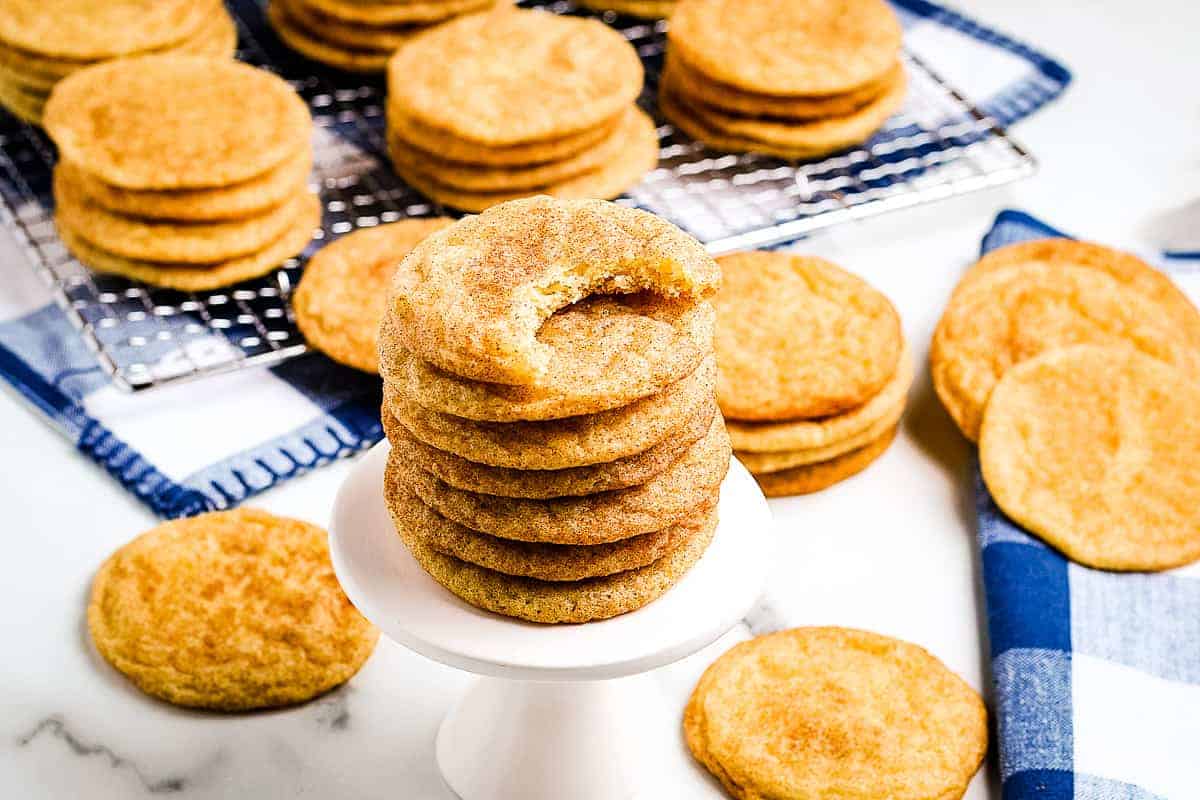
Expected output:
(938, 146)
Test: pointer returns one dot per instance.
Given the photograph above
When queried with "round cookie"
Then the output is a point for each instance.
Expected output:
(85, 29)
(809, 434)
(809, 478)
(342, 294)
(235, 202)
(812, 713)
(691, 482)
(569, 74)
(558, 602)
(471, 298)
(763, 463)
(632, 133)
(605, 351)
(201, 277)
(231, 610)
(799, 337)
(632, 470)
(111, 120)
(562, 443)
(1126, 268)
(780, 138)
(396, 13)
(545, 562)
(295, 36)
(1018, 311)
(1097, 451)
(177, 242)
(432, 142)
(216, 37)
(606, 182)
(647, 9)
(698, 89)
(787, 47)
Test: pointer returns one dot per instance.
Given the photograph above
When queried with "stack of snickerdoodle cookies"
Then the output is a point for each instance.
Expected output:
(511, 103)
(44, 41)
(557, 453)
(357, 36)
(814, 372)
(1077, 369)
(164, 178)
(790, 78)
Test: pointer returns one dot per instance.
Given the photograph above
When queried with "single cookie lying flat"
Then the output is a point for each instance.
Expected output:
(1097, 451)
(232, 611)
(342, 295)
(814, 713)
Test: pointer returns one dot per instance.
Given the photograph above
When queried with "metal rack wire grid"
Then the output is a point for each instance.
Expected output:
(938, 146)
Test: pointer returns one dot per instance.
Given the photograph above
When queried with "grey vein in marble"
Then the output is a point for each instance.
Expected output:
(56, 727)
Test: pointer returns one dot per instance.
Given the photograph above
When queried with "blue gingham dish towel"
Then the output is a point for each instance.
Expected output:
(1097, 674)
(212, 443)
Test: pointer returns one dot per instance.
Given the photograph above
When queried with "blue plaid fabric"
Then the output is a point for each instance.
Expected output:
(1097, 674)
(213, 443)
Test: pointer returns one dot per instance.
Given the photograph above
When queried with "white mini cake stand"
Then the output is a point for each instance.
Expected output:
(547, 722)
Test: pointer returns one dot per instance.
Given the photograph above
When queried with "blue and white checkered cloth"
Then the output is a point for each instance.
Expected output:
(1097, 674)
(211, 444)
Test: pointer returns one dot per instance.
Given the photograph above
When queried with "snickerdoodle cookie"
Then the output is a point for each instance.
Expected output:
(812, 713)
(1013, 312)
(799, 337)
(1095, 450)
(111, 120)
(471, 298)
(605, 351)
(342, 295)
(233, 610)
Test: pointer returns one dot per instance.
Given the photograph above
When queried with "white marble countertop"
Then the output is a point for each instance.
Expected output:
(891, 550)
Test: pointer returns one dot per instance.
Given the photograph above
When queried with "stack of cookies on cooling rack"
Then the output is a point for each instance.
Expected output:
(529, 103)
(181, 171)
(557, 452)
(356, 36)
(44, 41)
(1077, 369)
(814, 371)
(796, 79)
